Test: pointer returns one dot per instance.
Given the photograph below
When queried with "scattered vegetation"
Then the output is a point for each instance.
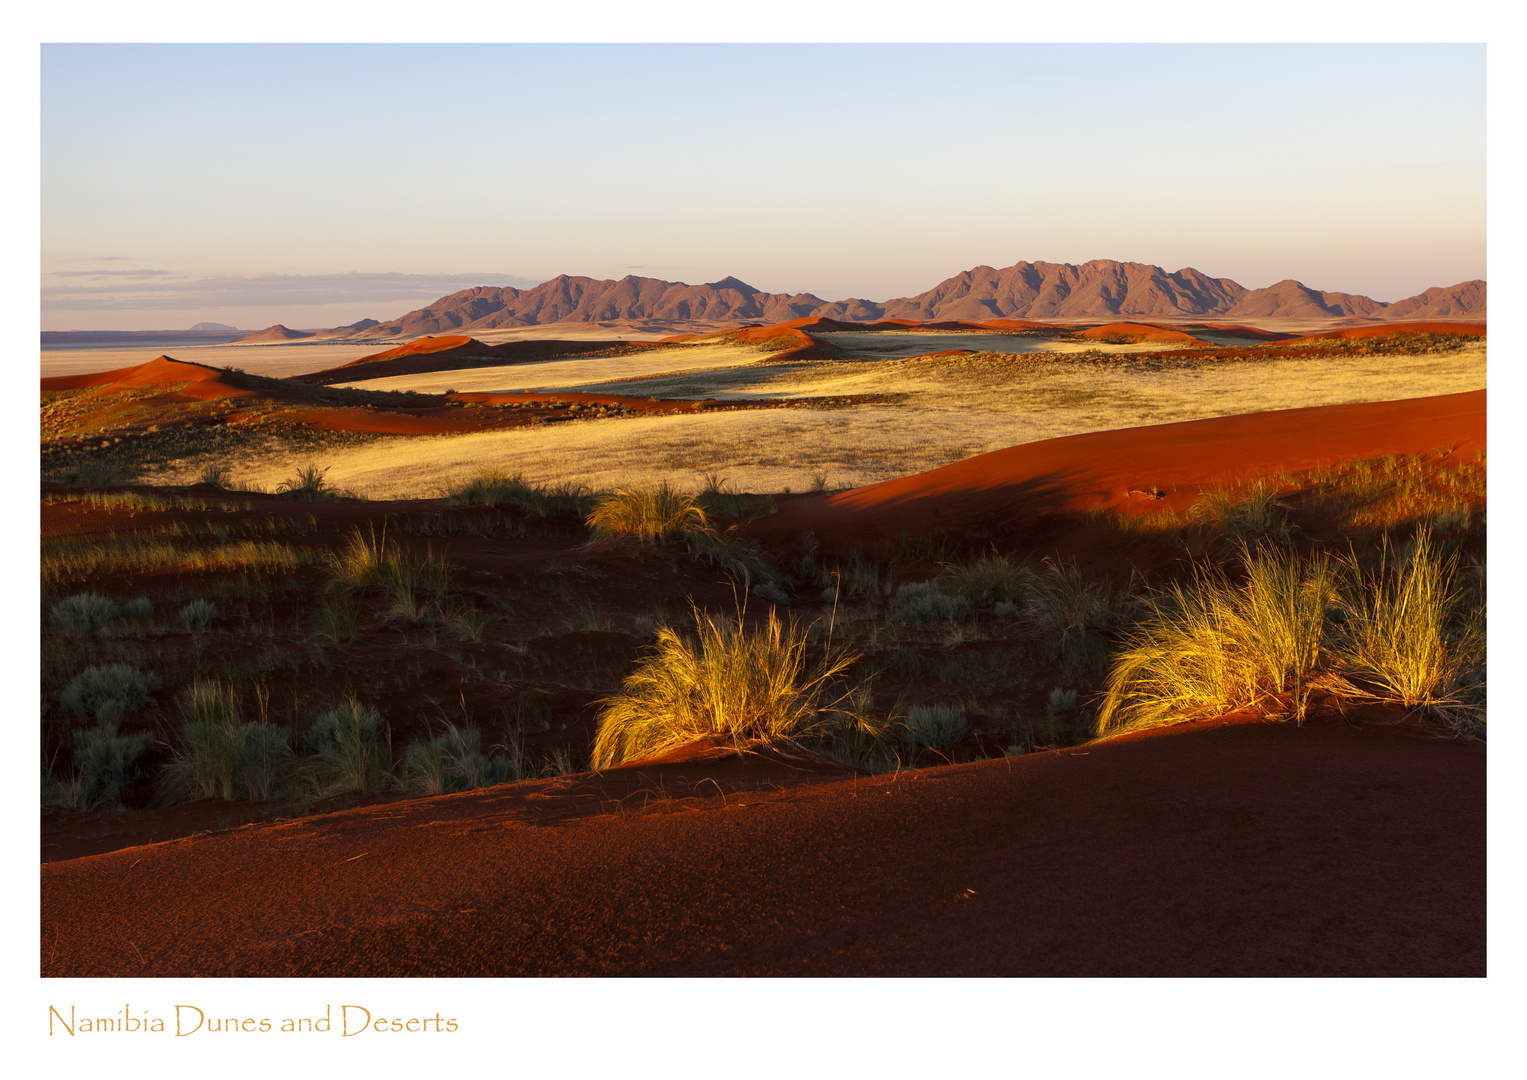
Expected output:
(309, 484)
(729, 680)
(197, 615)
(497, 487)
(105, 763)
(455, 761)
(924, 602)
(219, 755)
(82, 613)
(936, 727)
(109, 693)
(348, 750)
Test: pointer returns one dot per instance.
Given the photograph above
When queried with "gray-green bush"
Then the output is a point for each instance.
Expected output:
(109, 692)
(82, 613)
(219, 755)
(923, 602)
(348, 750)
(197, 615)
(937, 727)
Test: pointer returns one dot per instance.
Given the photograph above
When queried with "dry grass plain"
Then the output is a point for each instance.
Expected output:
(948, 408)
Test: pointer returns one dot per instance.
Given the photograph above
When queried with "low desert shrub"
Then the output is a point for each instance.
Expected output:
(653, 515)
(1244, 522)
(497, 487)
(347, 750)
(105, 763)
(197, 615)
(82, 613)
(924, 602)
(219, 755)
(138, 609)
(1061, 603)
(216, 474)
(333, 624)
(369, 561)
(455, 761)
(989, 581)
(1408, 635)
(109, 692)
(1210, 646)
(308, 484)
(936, 727)
(746, 684)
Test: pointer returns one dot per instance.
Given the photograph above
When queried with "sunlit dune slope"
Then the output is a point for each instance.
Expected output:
(1103, 469)
(190, 381)
(1219, 849)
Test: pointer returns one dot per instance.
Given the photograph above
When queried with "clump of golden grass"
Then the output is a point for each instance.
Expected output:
(498, 487)
(655, 515)
(746, 684)
(370, 561)
(1295, 623)
(69, 558)
(1211, 646)
(1410, 638)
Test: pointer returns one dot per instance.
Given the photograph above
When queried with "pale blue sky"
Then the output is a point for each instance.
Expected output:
(251, 184)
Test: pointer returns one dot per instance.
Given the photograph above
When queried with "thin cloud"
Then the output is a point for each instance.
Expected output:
(161, 290)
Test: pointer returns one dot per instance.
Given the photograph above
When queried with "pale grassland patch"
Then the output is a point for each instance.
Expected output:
(66, 559)
(951, 413)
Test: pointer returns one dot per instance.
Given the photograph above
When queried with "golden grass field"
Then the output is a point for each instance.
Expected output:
(947, 409)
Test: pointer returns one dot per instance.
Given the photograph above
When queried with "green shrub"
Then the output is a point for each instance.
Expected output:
(348, 753)
(990, 581)
(923, 602)
(1062, 604)
(729, 680)
(109, 692)
(82, 613)
(105, 763)
(333, 624)
(138, 609)
(496, 487)
(219, 756)
(937, 727)
(197, 615)
(455, 761)
(1061, 701)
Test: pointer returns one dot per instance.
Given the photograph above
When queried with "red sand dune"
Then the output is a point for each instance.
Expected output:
(204, 382)
(1138, 331)
(1210, 849)
(427, 346)
(1469, 329)
(1100, 469)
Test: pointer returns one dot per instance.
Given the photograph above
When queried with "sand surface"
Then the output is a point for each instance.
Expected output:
(1216, 849)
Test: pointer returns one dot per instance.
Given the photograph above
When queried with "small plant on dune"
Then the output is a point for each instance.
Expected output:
(333, 624)
(455, 761)
(219, 755)
(468, 623)
(1244, 522)
(138, 609)
(197, 615)
(498, 487)
(1409, 637)
(924, 602)
(348, 751)
(936, 727)
(1063, 604)
(657, 515)
(109, 692)
(308, 484)
(730, 680)
(1061, 702)
(1211, 646)
(369, 562)
(216, 474)
(990, 580)
(105, 763)
(82, 613)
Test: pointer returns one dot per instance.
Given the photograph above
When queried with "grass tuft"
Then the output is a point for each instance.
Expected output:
(197, 615)
(728, 680)
(937, 727)
(653, 515)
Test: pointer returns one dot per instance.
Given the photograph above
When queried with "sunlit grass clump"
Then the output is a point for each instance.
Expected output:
(369, 561)
(1211, 645)
(655, 515)
(1401, 633)
(498, 487)
(744, 683)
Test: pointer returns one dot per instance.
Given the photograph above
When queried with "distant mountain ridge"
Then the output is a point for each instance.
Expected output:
(1100, 289)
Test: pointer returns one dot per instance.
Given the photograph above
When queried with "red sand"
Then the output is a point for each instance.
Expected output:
(1469, 329)
(1218, 849)
(1100, 469)
(204, 382)
(1138, 331)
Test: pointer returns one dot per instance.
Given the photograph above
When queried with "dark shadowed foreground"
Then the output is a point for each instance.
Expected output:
(1211, 849)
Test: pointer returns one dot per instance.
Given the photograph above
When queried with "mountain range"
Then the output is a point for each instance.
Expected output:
(1100, 289)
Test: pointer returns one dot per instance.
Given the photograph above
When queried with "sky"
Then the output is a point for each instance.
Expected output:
(319, 184)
